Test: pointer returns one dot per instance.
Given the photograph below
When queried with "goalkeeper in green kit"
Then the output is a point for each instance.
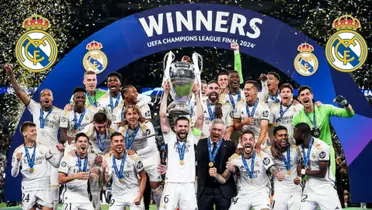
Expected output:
(318, 118)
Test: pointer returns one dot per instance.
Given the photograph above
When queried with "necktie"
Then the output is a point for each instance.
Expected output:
(214, 147)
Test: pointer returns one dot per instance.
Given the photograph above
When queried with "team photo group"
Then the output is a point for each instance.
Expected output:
(228, 144)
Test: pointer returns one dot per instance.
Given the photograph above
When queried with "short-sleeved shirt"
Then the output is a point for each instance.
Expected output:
(175, 171)
(262, 112)
(98, 141)
(89, 99)
(132, 166)
(323, 114)
(67, 120)
(226, 98)
(117, 114)
(260, 181)
(49, 134)
(105, 105)
(39, 178)
(319, 152)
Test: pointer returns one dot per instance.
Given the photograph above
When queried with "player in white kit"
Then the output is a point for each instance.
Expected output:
(179, 190)
(272, 95)
(31, 159)
(127, 174)
(140, 137)
(113, 98)
(47, 119)
(253, 182)
(282, 113)
(252, 114)
(74, 172)
(287, 193)
(319, 191)
(74, 121)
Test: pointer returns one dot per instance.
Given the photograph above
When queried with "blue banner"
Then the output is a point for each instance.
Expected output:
(214, 25)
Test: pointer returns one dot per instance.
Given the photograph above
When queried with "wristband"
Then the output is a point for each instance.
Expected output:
(303, 171)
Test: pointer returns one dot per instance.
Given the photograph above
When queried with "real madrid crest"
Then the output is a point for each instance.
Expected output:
(346, 50)
(95, 60)
(36, 50)
(306, 62)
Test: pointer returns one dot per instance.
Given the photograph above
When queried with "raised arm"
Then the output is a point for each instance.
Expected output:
(199, 109)
(53, 159)
(164, 123)
(21, 95)
(237, 61)
(339, 112)
(264, 127)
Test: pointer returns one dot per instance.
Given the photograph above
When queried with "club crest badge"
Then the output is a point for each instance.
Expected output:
(36, 50)
(95, 60)
(346, 50)
(306, 63)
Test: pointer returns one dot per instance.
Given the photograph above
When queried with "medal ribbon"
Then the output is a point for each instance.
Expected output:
(251, 114)
(249, 172)
(112, 102)
(78, 123)
(281, 112)
(42, 119)
(122, 113)
(307, 156)
(181, 150)
(119, 172)
(275, 98)
(91, 101)
(30, 160)
(232, 99)
(84, 169)
(129, 139)
(213, 156)
(314, 118)
(211, 113)
(102, 145)
(287, 161)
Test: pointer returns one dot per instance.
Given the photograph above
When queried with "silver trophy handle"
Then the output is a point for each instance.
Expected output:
(198, 59)
(167, 61)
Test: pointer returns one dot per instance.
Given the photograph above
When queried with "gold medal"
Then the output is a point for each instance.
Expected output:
(251, 181)
(31, 170)
(121, 181)
(211, 164)
(289, 172)
(182, 162)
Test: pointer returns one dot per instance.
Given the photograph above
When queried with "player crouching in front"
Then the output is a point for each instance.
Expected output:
(31, 159)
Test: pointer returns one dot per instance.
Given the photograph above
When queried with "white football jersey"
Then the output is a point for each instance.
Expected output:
(175, 171)
(99, 143)
(262, 112)
(117, 114)
(235, 98)
(319, 152)
(260, 181)
(107, 103)
(49, 134)
(76, 189)
(287, 185)
(144, 142)
(67, 120)
(286, 118)
(132, 166)
(40, 176)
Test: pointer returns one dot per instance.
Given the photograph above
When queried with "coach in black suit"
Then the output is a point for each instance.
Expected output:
(209, 190)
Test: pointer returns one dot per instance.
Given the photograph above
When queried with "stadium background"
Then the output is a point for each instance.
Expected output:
(73, 21)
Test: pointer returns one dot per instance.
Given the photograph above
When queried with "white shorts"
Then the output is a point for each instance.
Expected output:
(181, 195)
(119, 202)
(77, 206)
(150, 164)
(33, 197)
(284, 201)
(326, 198)
(257, 201)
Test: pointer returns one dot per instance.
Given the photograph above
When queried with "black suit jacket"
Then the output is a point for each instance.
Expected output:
(228, 190)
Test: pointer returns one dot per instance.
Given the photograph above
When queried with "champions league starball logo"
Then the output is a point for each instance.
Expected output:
(306, 63)
(346, 50)
(95, 60)
(36, 50)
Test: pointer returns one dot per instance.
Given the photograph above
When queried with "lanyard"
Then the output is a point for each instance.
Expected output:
(30, 160)
(122, 113)
(232, 99)
(84, 169)
(119, 173)
(78, 123)
(181, 150)
(42, 119)
(112, 102)
(282, 112)
(129, 139)
(314, 118)
(275, 98)
(212, 156)
(102, 145)
(91, 101)
(249, 172)
(210, 112)
(287, 161)
(251, 114)
(307, 156)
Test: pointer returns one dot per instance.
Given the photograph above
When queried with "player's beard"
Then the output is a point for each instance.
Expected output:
(213, 97)
(283, 143)
(182, 135)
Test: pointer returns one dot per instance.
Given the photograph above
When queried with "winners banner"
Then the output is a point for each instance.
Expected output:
(213, 25)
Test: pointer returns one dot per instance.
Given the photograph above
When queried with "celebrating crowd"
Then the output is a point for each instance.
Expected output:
(256, 147)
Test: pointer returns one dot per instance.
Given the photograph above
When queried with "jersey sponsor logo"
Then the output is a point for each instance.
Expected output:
(95, 60)
(306, 63)
(322, 155)
(266, 161)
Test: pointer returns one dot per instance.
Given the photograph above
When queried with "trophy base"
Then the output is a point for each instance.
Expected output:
(177, 109)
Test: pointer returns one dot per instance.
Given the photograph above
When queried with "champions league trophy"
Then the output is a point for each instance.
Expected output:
(181, 76)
